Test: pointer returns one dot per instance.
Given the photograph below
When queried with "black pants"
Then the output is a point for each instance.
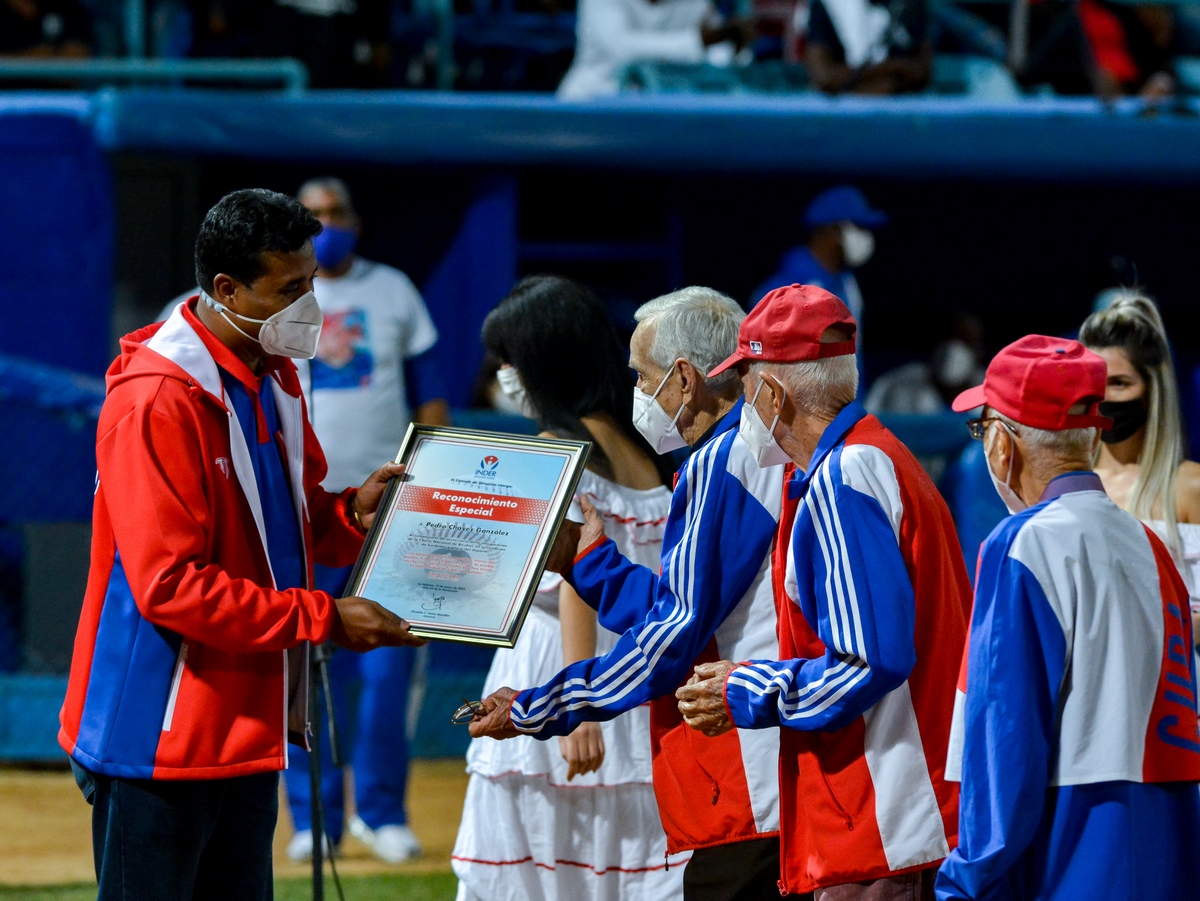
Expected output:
(741, 871)
(183, 841)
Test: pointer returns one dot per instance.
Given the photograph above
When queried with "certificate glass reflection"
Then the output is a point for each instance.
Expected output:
(459, 544)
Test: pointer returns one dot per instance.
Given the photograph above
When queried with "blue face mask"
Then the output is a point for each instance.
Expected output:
(333, 245)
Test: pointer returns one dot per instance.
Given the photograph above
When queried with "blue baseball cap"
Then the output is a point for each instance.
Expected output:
(844, 203)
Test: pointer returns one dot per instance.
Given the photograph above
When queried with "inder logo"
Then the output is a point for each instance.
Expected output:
(487, 467)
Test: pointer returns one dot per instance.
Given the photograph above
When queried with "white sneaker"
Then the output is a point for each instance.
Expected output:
(392, 843)
(300, 848)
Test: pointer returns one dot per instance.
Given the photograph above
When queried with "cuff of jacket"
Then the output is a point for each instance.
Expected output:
(345, 508)
(325, 629)
(743, 710)
(586, 574)
(525, 697)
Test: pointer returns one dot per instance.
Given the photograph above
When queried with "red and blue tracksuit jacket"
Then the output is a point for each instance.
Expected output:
(872, 618)
(1075, 733)
(713, 600)
(181, 663)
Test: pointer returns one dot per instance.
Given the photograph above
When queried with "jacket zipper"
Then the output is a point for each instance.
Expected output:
(176, 678)
(782, 883)
(836, 803)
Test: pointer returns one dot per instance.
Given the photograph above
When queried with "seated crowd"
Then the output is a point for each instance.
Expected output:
(1102, 47)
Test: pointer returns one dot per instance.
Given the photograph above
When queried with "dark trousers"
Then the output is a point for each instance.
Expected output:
(159, 840)
(740, 871)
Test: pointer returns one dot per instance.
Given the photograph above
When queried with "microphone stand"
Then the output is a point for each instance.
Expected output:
(319, 684)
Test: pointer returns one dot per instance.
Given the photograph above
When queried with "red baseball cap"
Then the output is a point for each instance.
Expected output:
(1037, 380)
(786, 326)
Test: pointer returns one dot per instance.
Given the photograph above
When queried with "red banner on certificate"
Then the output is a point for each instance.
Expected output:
(472, 504)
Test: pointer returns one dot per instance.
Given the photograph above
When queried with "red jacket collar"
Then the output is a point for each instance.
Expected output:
(282, 368)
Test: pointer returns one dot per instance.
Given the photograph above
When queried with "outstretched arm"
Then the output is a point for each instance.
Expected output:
(715, 552)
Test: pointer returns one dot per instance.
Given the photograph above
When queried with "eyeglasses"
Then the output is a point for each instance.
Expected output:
(466, 713)
(978, 427)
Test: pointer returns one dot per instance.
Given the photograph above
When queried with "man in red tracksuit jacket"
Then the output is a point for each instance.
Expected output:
(190, 664)
(872, 616)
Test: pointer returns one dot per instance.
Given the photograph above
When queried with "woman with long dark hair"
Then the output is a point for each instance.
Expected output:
(575, 821)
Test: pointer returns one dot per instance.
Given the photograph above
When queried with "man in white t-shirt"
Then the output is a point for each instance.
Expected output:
(370, 374)
(369, 364)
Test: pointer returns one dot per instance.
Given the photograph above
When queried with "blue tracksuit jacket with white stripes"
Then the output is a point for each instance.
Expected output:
(1075, 728)
(718, 537)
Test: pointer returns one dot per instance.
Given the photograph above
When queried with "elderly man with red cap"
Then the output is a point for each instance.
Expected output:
(1075, 733)
(872, 612)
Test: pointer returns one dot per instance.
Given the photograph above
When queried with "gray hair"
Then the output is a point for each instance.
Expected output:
(1079, 444)
(334, 186)
(696, 324)
(817, 386)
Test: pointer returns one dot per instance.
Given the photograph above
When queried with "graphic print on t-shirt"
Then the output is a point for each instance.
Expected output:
(343, 357)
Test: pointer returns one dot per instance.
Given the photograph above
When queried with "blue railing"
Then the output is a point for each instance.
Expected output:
(289, 74)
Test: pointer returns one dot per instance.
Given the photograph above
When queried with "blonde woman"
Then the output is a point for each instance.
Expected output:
(1141, 459)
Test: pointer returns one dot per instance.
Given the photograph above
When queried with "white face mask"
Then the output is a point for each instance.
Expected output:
(858, 245)
(510, 383)
(653, 422)
(1011, 499)
(759, 438)
(292, 332)
(957, 364)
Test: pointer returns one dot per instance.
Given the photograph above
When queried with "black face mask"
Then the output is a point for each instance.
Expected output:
(1127, 415)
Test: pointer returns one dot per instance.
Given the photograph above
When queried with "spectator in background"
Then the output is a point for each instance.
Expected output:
(869, 46)
(43, 28)
(344, 43)
(840, 224)
(612, 34)
(1099, 47)
(368, 374)
(227, 28)
(929, 386)
(1131, 47)
(1141, 459)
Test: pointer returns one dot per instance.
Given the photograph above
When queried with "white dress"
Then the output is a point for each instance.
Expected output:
(526, 833)
(1189, 562)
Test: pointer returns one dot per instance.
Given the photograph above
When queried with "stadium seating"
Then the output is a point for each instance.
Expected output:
(974, 76)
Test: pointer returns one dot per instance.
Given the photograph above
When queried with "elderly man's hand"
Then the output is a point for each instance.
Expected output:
(702, 699)
(573, 539)
(366, 502)
(363, 625)
(492, 720)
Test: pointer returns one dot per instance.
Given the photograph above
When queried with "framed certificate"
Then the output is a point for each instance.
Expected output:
(458, 545)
